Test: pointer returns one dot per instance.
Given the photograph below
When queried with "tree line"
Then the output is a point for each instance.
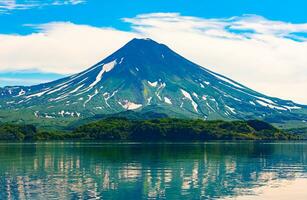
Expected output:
(166, 129)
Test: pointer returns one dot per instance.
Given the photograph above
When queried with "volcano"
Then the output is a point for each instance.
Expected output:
(147, 76)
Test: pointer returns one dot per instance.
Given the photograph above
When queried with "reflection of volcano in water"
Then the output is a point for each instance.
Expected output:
(190, 171)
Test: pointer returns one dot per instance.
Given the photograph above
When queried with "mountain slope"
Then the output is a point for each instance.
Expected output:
(145, 75)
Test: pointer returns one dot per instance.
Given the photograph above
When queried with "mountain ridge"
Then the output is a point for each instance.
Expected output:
(144, 73)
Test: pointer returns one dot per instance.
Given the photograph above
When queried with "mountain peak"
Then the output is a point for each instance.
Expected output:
(143, 44)
(142, 40)
(141, 51)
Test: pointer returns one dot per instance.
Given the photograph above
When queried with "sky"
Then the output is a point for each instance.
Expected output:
(259, 43)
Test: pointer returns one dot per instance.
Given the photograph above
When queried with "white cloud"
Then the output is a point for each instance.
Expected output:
(7, 6)
(66, 2)
(59, 47)
(268, 56)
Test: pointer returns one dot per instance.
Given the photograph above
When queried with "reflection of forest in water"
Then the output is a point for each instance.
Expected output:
(132, 171)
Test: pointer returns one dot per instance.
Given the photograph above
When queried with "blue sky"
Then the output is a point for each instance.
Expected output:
(260, 43)
(108, 13)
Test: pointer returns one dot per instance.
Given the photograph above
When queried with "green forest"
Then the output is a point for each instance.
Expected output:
(166, 129)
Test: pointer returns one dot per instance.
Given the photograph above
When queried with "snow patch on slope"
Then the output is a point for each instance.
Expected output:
(205, 98)
(107, 96)
(167, 100)
(265, 104)
(39, 94)
(251, 102)
(195, 95)
(105, 68)
(188, 96)
(57, 89)
(90, 97)
(159, 90)
(21, 93)
(149, 100)
(231, 109)
(130, 105)
(76, 89)
(121, 60)
(292, 107)
(266, 100)
(153, 84)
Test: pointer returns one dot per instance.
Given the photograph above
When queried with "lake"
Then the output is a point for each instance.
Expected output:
(213, 170)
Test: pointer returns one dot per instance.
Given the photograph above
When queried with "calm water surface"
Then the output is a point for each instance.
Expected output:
(214, 170)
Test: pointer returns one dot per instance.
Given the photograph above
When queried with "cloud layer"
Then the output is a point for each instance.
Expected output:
(268, 56)
(59, 47)
(8, 5)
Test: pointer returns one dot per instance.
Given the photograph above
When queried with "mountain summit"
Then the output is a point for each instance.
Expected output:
(147, 76)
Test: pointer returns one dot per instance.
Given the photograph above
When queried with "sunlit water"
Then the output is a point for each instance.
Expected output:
(215, 170)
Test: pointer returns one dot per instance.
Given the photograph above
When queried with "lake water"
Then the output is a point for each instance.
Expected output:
(213, 170)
